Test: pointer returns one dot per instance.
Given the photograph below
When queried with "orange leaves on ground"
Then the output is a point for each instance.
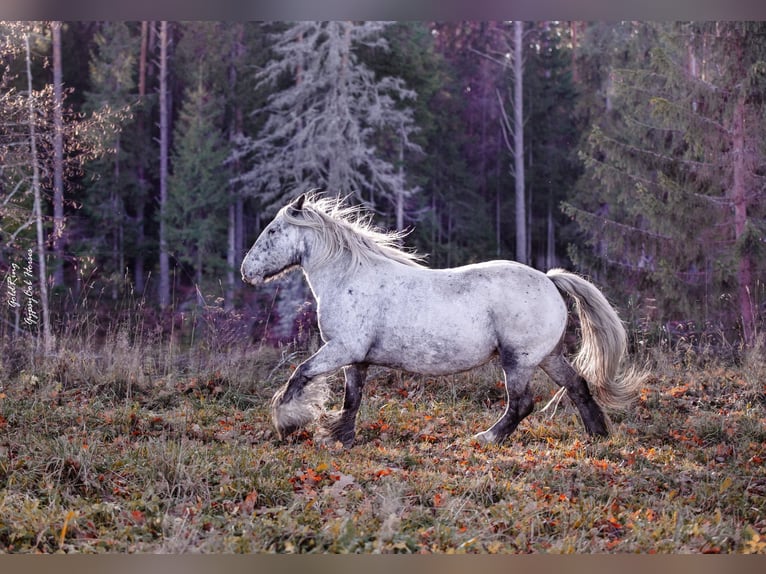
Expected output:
(137, 516)
(248, 505)
(321, 476)
(576, 451)
(679, 390)
(308, 477)
(379, 426)
(601, 464)
(644, 394)
(685, 436)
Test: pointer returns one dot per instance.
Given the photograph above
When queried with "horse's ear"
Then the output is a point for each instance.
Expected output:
(297, 204)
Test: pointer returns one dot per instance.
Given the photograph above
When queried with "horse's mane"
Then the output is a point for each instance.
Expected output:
(348, 229)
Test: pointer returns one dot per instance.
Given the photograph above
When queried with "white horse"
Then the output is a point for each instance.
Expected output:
(377, 305)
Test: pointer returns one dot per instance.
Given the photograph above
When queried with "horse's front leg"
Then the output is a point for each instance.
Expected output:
(297, 403)
(339, 425)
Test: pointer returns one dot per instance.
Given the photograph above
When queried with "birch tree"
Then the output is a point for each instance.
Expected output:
(31, 126)
(37, 212)
(518, 141)
(58, 159)
(22, 163)
(323, 116)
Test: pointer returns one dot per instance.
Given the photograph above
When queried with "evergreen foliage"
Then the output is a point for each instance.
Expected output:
(666, 205)
(644, 157)
(113, 194)
(553, 166)
(326, 109)
(197, 194)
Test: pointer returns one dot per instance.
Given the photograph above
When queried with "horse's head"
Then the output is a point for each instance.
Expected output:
(278, 249)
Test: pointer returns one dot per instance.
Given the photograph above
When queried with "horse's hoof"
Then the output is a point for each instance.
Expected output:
(328, 440)
(284, 432)
(332, 431)
(485, 437)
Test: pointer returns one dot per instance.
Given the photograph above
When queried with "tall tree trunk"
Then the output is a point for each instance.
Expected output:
(117, 212)
(239, 236)
(498, 237)
(164, 294)
(550, 251)
(58, 157)
(575, 69)
(138, 269)
(48, 341)
(740, 200)
(235, 127)
(231, 259)
(400, 192)
(518, 141)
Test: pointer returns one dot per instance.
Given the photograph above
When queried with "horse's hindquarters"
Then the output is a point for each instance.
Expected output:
(441, 322)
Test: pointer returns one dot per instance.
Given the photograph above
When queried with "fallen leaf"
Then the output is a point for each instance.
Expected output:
(725, 485)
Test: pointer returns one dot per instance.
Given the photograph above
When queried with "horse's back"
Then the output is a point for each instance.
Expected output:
(526, 307)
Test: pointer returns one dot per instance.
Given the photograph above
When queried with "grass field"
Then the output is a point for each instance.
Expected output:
(138, 447)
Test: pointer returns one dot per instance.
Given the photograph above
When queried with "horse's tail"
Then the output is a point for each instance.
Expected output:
(604, 343)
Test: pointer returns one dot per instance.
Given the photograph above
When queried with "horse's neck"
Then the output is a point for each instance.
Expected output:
(329, 275)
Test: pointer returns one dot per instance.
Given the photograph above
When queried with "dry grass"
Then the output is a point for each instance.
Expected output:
(136, 447)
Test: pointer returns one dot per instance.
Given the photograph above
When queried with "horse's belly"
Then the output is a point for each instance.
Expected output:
(433, 352)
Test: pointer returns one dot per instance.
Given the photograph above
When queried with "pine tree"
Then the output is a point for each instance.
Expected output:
(450, 221)
(475, 213)
(552, 132)
(674, 172)
(223, 53)
(323, 116)
(197, 204)
(112, 190)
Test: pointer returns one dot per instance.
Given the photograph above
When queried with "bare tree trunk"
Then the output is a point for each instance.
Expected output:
(575, 70)
(138, 269)
(433, 228)
(164, 294)
(235, 126)
(518, 142)
(58, 156)
(117, 211)
(497, 222)
(400, 192)
(231, 259)
(239, 236)
(550, 251)
(48, 341)
(739, 197)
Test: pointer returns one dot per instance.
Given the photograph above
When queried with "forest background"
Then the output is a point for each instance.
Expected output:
(141, 159)
(138, 162)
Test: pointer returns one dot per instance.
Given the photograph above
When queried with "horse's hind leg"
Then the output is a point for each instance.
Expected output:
(519, 399)
(339, 426)
(561, 371)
